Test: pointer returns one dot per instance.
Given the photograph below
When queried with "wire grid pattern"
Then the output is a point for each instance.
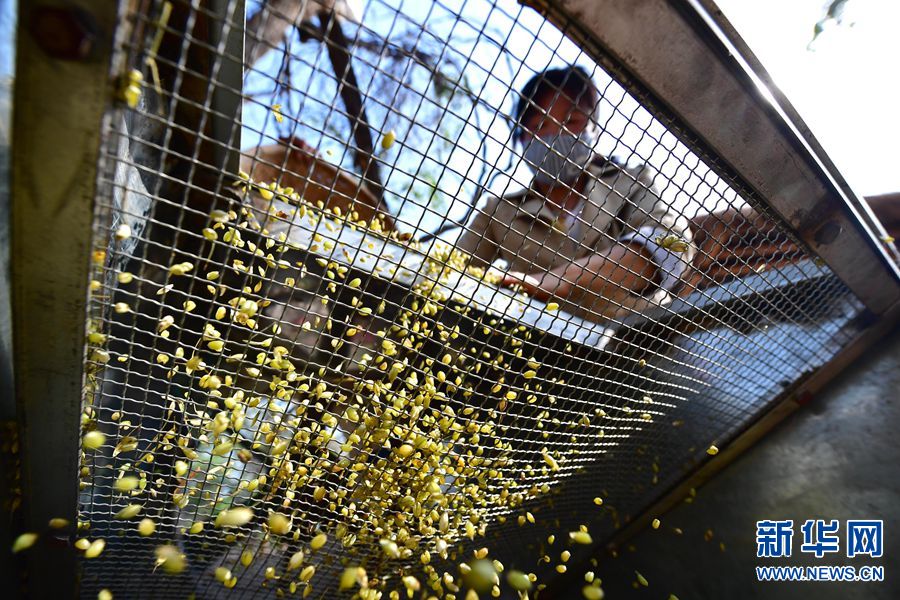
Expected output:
(249, 347)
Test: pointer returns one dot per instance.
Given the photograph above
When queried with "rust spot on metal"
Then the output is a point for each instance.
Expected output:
(804, 398)
(817, 224)
(64, 33)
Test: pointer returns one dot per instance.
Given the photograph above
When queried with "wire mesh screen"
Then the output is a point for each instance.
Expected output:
(374, 311)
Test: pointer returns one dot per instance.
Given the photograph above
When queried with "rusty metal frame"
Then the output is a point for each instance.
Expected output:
(61, 94)
(799, 395)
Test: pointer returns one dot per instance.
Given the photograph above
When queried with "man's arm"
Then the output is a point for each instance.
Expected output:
(598, 283)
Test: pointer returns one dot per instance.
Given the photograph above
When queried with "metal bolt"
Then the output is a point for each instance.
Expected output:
(828, 232)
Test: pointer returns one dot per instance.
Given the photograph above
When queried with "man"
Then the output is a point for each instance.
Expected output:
(590, 233)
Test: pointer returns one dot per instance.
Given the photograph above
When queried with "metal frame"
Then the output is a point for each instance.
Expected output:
(790, 401)
(59, 104)
(694, 69)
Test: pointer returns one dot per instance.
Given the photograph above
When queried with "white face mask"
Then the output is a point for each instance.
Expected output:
(562, 157)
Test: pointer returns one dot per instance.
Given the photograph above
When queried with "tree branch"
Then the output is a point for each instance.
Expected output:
(339, 54)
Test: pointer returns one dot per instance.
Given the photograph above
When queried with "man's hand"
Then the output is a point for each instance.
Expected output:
(598, 283)
(541, 286)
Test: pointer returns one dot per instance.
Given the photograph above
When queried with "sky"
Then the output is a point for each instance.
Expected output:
(843, 87)
(7, 37)
(7, 66)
